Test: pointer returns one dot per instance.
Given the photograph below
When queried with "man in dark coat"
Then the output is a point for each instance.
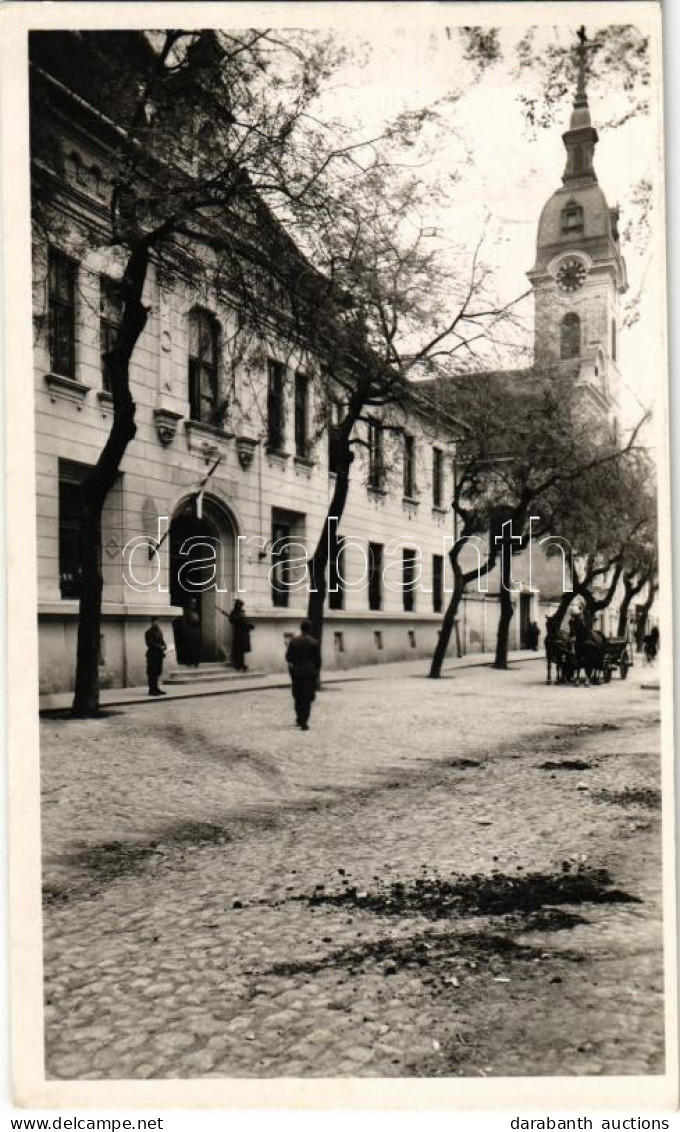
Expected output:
(155, 651)
(240, 636)
(303, 656)
(533, 635)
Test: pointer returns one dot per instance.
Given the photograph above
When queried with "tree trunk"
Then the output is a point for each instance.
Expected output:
(644, 614)
(100, 480)
(505, 595)
(594, 606)
(622, 627)
(327, 545)
(503, 637)
(447, 625)
(631, 590)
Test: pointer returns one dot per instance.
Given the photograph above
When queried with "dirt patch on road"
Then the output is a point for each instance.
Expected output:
(629, 796)
(479, 894)
(437, 956)
(566, 764)
(99, 865)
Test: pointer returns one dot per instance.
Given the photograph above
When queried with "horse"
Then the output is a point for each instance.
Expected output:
(589, 651)
(558, 651)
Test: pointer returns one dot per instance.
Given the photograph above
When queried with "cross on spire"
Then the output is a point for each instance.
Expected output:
(581, 96)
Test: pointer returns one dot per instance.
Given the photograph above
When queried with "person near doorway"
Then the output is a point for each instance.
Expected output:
(155, 651)
(303, 657)
(191, 634)
(241, 629)
(533, 636)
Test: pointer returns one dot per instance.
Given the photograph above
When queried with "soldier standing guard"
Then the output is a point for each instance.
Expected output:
(303, 656)
(155, 651)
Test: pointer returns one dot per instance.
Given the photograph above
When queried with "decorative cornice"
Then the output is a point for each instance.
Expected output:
(66, 387)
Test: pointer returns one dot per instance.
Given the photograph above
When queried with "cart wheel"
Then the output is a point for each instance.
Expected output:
(623, 669)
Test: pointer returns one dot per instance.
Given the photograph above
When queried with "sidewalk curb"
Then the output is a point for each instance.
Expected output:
(192, 692)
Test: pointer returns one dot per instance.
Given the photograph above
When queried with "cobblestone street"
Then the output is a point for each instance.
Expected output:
(447, 878)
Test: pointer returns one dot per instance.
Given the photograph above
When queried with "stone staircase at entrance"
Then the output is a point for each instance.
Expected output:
(209, 672)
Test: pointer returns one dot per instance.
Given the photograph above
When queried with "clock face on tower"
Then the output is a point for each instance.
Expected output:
(571, 275)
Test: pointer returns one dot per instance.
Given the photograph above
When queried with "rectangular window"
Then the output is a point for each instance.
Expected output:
(110, 317)
(409, 467)
(375, 456)
(302, 416)
(287, 575)
(437, 583)
(336, 571)
(203, 356)
(339, 641)
(275, 406)
(437, 477)
(408, 579)
(375, 569)
(71, 476)
(62, 314)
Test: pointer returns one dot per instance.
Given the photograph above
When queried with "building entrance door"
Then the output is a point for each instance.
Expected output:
(201, 581)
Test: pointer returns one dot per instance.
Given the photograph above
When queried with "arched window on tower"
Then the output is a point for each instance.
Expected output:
(570, 336)
(203, 362)
(613, 340)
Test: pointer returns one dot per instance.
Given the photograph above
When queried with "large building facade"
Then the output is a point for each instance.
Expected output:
(229, 475)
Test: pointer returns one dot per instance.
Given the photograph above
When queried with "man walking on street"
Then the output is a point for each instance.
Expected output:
(155, 651)
(303, 656)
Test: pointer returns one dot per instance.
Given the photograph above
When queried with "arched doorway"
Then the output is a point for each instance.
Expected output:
(202, 570)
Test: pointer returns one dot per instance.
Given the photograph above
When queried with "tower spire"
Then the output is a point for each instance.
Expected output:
(580, 139)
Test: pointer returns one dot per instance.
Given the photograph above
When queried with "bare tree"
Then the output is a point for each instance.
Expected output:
(524, 441)
(414, 305)
(608, 514)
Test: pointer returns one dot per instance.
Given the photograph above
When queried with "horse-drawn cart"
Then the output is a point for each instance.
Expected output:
(586, 650)
(616, 655)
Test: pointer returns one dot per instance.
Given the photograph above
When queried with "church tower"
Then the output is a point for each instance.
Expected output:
(579, 273)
